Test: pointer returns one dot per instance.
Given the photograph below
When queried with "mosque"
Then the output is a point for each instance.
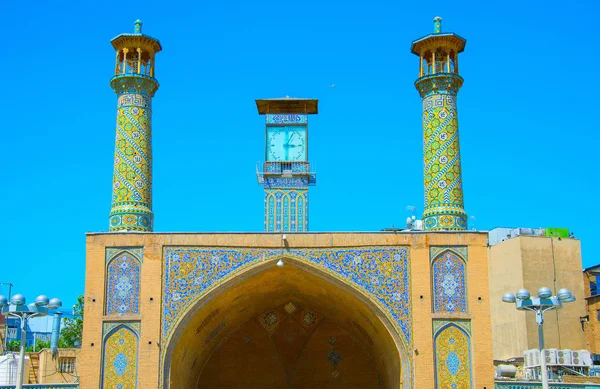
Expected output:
(287, 308)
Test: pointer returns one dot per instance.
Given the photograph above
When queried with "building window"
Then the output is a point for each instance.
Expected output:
(598, 315)
(66, 365)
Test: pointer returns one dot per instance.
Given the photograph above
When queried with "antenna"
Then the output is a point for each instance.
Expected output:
(473, 223)
(410, 221)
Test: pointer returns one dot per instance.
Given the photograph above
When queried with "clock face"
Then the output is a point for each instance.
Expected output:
(286, 143)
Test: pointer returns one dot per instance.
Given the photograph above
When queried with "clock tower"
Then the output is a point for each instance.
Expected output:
(286, 173)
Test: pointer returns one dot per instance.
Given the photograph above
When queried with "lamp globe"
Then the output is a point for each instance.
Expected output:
(564, 294)
(18, 300)
(508, 298)
(54, 303)
(41, 300)
(544, 292)
(523, 294)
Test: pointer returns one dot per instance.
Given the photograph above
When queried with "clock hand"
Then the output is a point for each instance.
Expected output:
(290, 138)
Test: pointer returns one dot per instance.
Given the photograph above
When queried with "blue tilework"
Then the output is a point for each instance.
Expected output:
(122, 283)
(380, 272)
(452, 354)
(449, 283)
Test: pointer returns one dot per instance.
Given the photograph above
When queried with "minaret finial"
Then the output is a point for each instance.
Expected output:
(137, 27)
(437, 25)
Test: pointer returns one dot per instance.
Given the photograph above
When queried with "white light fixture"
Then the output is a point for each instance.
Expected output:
(280, 263)
(284, 237)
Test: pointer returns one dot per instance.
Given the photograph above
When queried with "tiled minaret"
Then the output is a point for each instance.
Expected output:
(135, 85)
(438, 85)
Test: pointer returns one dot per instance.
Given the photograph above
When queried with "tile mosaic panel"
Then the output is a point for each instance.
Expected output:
(452, 348)
(122, 281)
(120, 358)
(449, 283)
(286, 119)
(285, 210)
(380, 272)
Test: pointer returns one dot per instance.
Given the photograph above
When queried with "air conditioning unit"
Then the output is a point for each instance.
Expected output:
(551, 356)
(535, 357)
(577, 358)
(527, 359)
(585, 357)
(565, 357)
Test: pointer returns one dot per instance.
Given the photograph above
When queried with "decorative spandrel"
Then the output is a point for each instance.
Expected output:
(380, 272)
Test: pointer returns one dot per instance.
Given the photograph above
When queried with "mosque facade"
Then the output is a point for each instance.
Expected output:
(287, 308)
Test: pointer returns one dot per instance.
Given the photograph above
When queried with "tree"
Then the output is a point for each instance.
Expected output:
(13, 345)
(41, 344)
(73, 328)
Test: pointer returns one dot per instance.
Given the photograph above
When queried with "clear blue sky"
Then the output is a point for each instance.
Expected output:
(529, 136)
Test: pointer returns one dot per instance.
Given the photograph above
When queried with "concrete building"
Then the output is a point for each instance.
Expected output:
(527, 258)
(591, 321)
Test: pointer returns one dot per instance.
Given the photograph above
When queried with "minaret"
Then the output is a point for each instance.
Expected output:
(135, 85)
(438, 85)
(286, 173)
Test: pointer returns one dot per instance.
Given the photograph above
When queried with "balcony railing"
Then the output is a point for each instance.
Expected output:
(538, 385)
(295, 170)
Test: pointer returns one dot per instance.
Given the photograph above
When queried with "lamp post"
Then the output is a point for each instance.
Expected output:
(540, 304)
(18, 309)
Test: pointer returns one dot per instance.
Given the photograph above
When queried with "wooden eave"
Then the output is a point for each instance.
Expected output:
(287, 105)
(144, 42)
(434, 41)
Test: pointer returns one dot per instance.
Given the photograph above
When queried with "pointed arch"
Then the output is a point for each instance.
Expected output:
(285, 216)
(181, 312)
(270, 214)
(452, 356)
(449, 281)
(122, 288)
(120, 358)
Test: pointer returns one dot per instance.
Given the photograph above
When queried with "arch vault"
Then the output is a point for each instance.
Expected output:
(297, 326)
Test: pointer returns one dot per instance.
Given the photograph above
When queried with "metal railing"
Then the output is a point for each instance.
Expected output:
(11, 333)
(538, 385)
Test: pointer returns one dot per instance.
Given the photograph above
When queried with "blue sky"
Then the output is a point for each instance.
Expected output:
(528, 136)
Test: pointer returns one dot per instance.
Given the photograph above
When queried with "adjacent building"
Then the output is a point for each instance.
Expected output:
(590, 323)
(532, 258)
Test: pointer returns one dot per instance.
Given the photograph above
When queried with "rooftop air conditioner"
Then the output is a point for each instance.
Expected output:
(564, 357)
(551, 356)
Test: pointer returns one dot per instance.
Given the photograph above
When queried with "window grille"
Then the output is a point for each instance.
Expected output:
(66, 365)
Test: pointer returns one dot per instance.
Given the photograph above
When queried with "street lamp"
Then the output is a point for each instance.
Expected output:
(18, 309)
(540, 304)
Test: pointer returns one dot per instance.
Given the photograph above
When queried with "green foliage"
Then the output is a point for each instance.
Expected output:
(40, 344)
(13, 345)
(73, 328)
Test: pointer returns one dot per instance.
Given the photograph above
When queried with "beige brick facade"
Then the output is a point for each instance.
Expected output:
(532, 262)
(419, 244)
